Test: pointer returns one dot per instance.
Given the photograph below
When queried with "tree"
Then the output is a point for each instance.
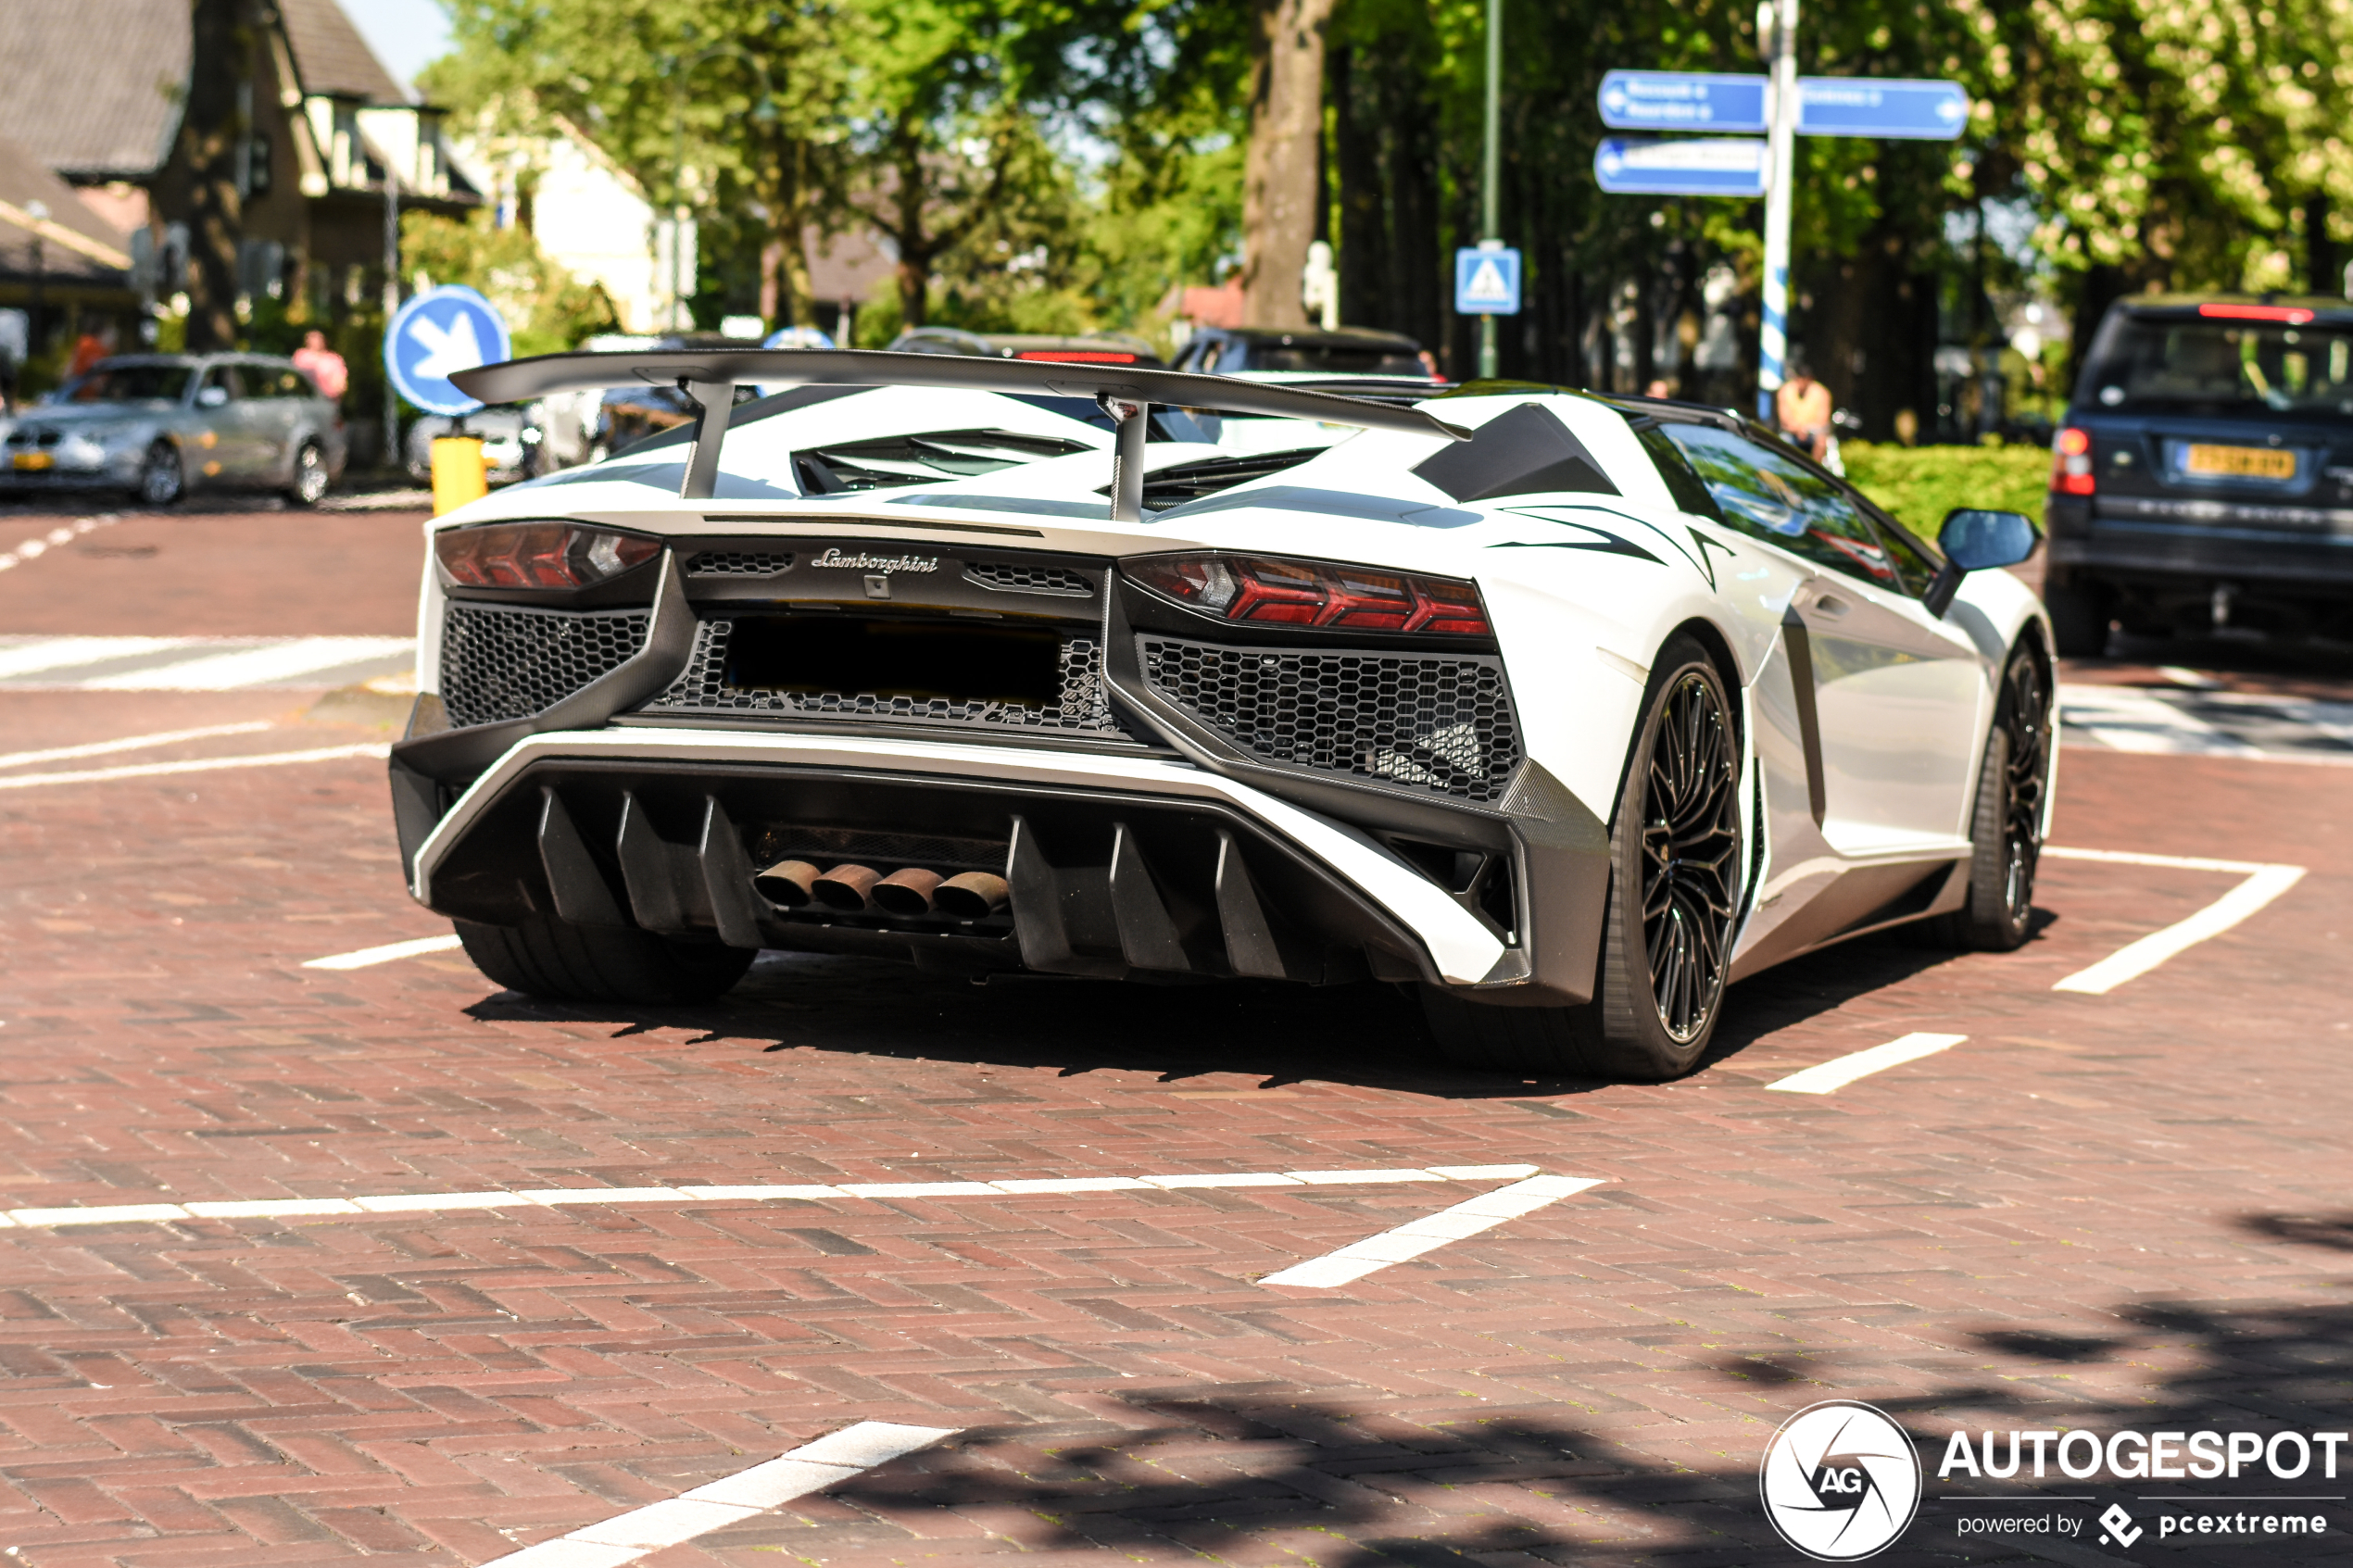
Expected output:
(1286, 138)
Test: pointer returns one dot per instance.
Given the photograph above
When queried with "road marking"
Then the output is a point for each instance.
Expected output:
(413, 948)
(1427, 1234)
(219, 664)
(130, 743)
(411, 1202)
(812, 1467)
(201, 765)
(2208, 724)
(2264, 883)
(1824, 1077)
(33, 549)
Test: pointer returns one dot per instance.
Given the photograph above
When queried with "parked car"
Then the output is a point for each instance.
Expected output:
(2203, 476)
(514, 442)
(1344, 351)
(1564, 710)
(1108, 349)
(632, 410)
(159, 425)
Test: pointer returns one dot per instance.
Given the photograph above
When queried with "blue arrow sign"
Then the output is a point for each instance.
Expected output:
(435, 335)
(1486, 281)
(1670, 100)
(1854, 106)
(1714, 166)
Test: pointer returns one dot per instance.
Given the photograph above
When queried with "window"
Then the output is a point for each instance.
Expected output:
(222, 385)
(130, 383)
(1682, 483)
(1912, 563)
(1774, 496)
(273, 381)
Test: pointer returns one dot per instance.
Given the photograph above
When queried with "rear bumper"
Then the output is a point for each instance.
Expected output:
(1119, 865)
(2303, 551)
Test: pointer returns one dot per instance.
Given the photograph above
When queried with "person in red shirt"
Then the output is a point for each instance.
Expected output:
(88, 350)
(323, 365)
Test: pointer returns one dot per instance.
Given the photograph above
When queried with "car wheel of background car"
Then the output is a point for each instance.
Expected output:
(160, 481)
(309, 476)
(2079, 614)
(2008, 825)
(551, 957)
(1674, 901)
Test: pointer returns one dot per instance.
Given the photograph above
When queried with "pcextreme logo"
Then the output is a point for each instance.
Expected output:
(1839, 1480)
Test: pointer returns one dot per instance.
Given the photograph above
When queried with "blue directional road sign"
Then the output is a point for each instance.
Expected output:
(1486, 281)
(1858, 106)
(435, 335)
(1672, 100)
(1699, 166)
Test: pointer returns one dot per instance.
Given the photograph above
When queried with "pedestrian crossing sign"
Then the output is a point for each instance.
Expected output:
(1487, 281)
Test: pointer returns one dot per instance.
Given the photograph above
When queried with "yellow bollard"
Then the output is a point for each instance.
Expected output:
(459, 474)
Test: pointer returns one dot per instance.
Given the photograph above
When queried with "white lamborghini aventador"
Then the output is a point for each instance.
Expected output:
(1568, 710)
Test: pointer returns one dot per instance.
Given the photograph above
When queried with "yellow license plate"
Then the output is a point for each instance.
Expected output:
(2239, 462)
(28, 462)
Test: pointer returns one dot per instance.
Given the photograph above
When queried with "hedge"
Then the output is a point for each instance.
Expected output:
(1919, 484)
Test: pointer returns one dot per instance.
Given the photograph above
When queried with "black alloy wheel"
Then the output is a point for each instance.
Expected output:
(309, 476)
(161, 481)
(2006, 829)
(1673, 907)
(1690, 857)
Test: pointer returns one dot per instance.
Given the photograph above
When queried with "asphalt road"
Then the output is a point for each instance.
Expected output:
(382, 1261)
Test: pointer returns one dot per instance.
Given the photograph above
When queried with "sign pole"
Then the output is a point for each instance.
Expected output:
(1780, 193)
(1490, 171)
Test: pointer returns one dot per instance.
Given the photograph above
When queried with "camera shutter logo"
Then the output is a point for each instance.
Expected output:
(1839, 1480)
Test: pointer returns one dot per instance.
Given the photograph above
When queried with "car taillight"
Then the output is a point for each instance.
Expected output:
(2072, 463)
(1299, 593)
(540, 555)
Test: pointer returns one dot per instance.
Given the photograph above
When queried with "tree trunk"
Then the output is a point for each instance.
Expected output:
(2320, 254)
(1278, 172)
(209, 133)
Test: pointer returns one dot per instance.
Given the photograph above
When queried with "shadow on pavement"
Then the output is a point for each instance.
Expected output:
(1350, 1479)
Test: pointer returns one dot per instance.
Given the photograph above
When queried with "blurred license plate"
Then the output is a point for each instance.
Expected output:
(2239, 462)
(28, 462)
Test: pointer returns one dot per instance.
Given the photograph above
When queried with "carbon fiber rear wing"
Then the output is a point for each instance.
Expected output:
(1125, 393)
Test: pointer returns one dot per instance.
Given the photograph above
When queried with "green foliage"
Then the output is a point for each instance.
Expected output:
(545, 308)
(1919, 484)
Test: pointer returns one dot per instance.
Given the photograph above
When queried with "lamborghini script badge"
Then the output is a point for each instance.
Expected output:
(862, 562)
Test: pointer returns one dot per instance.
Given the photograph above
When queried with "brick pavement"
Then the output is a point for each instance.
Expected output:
(2098, 1210)
(2113, 1210)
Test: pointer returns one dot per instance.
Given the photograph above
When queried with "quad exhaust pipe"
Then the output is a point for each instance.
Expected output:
(855, 889)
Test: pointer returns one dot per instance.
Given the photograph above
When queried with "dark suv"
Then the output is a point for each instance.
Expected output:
(1342, 351)
(2204, 475)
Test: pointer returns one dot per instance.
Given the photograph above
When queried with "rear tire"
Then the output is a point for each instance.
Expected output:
(2079, 614)
(1674, 904)
(2007, 827)
(551, 957)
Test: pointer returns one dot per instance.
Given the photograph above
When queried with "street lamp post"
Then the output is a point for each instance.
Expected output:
(1490, 169)
(392, 306)
(38, 211)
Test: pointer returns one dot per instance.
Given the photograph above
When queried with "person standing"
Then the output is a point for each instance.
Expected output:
(1802, 409)
(323, 365)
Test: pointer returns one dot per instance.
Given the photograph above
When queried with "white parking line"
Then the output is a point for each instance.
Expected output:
(130, 743)
(272, 665)
(812, 1467)
(1429, 1233)
(410, 1202)
(200, 765)
(86, 664)
(33, 549)
(2264, 883)
(415, 949)
(1824, 1077)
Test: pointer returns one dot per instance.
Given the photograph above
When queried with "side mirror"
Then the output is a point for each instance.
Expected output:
(213, 397)
(1974, 539)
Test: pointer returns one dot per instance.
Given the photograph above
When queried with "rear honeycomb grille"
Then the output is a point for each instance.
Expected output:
(739, 563)
(503, 663)
(1009, 577)
(1441, 723)
(704, 689)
